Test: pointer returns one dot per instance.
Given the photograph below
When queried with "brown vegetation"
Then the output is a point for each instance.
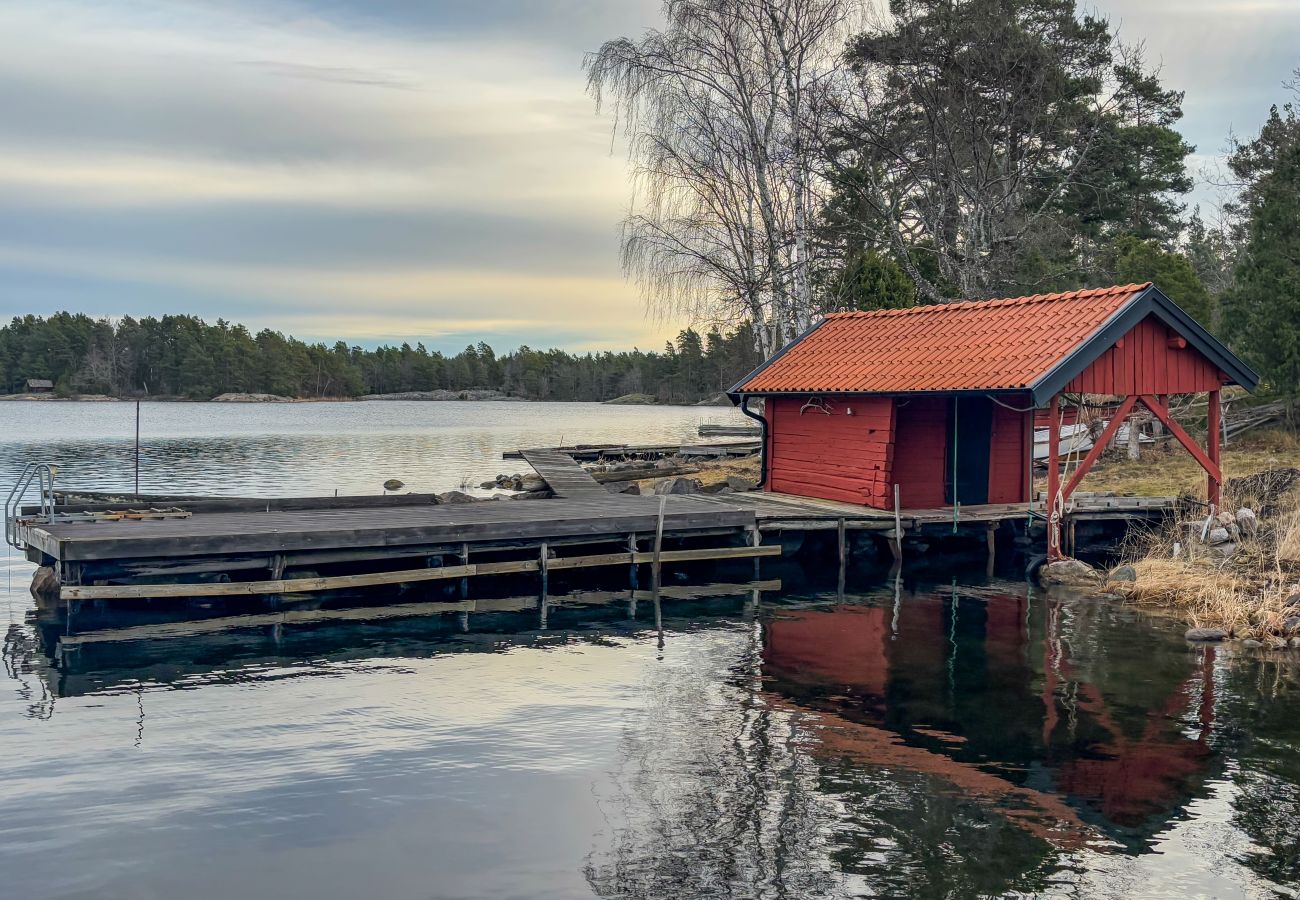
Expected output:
(1248, 589)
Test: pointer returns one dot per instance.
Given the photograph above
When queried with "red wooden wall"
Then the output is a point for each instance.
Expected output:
(1009, 452)
(858, 458)
(920, 451)
(834, 457)
(1143, 362)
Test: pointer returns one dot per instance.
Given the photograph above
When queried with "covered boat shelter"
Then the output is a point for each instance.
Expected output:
(933, 406)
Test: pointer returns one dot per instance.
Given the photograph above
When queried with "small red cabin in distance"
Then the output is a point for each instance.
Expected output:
(940, 400)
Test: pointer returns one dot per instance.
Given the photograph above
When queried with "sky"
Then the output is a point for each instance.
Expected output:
(396, 170)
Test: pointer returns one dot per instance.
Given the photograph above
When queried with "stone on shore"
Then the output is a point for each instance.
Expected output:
(1206, 634)
(1218, 535)
(740, 484)
(1069, 572)
(452, 497)
(677, 486)
(1247, 522)
(1123, 573)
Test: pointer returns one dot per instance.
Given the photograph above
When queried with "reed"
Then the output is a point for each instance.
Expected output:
(1246, 593)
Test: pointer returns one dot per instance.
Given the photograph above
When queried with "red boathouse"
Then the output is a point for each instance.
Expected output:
(940, 400)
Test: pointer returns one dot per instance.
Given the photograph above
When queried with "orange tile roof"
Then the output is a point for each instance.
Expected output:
(973, 345)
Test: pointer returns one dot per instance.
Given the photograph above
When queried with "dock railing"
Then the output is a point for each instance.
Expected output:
(41, 475)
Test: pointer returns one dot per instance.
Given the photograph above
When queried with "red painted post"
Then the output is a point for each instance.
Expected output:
(1054, 507)
(1214, 424)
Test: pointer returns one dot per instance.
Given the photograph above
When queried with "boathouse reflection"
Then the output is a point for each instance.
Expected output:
(926, 742)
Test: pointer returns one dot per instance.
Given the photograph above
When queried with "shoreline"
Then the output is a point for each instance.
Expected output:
(373, 398)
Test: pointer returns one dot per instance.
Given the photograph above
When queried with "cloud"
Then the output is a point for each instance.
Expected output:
(374, 168)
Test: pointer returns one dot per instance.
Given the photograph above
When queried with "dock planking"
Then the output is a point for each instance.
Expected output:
(563, 476)
(332, 529)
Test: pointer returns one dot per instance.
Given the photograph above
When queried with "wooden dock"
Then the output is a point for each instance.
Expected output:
(181, 547)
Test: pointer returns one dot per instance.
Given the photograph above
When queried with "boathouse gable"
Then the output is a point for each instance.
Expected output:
(938, 402)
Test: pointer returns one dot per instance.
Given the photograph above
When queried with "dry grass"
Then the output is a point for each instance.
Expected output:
(714, 471)
(1207, 597)
(1244, 594)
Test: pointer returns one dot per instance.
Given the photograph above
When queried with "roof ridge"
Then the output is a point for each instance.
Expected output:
(990, 302)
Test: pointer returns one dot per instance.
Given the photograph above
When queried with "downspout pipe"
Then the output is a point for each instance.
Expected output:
(762, 450)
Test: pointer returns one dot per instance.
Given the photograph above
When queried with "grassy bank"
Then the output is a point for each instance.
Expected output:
(1248, 588)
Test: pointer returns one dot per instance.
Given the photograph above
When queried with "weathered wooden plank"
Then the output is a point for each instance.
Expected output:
(405, 576)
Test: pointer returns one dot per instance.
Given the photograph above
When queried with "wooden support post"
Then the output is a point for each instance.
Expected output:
(543, 569)
(842, 540)
(655, 568)
(464, 561)
(1055, 502)
(1212, 442)
(897, 544)
(631, 569)
(755, 540)
(991, 546)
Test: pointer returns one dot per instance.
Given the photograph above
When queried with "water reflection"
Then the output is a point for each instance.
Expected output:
(952, 740)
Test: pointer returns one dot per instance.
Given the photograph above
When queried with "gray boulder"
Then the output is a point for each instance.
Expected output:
(1069, 572)
(1123, 573)
(1206, 634)
(1252, 644)
(741, 485)
(452, 497)
(1292, 601)
(1247, 522)
(1218, 535)
(677, 486)
(533, 483)
(1292, 623)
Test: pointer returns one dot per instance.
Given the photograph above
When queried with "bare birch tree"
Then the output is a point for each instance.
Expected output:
(722, 109)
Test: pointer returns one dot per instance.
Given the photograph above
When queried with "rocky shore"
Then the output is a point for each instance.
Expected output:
(1230, 576)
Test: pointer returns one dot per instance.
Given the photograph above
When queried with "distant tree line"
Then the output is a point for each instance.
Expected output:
(794, 157)
(183, 356)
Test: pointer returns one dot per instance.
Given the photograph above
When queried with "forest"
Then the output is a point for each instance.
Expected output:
(185, 357)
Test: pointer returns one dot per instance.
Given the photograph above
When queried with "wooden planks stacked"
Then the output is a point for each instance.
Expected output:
(565, 477)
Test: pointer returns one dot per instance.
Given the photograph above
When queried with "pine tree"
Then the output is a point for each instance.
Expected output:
(1262, 312)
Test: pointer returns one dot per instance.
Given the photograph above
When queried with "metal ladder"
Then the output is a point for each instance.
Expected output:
(42, 475)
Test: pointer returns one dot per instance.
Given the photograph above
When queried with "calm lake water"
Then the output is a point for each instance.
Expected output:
(938, 735)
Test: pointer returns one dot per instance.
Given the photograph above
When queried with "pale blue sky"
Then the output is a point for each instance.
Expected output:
(392, 169)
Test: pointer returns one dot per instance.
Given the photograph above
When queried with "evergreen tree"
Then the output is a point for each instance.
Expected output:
(1262, 310)
(1136, 261)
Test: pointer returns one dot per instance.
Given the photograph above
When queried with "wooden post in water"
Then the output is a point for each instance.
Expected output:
(897, 544)
(137, 447)
(659, 546)
(842, 541)
(464, 561)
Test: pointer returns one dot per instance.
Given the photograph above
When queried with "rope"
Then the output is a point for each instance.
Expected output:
(1008, 405)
